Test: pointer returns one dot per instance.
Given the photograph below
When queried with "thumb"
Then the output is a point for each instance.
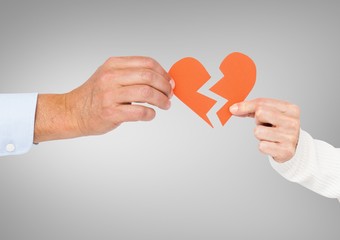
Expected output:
(242, 109)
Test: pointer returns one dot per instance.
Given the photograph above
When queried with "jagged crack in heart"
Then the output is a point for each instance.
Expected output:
(220, 101)
(192, 80)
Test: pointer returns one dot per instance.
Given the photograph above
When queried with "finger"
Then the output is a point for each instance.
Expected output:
(137, 62)
(283, 107)
(128, 77)
(279, 152)
(243, 109)
(268, 116)
(271, 117)
(133, 113)
(142, 94)
(248, 108)
(271, 134)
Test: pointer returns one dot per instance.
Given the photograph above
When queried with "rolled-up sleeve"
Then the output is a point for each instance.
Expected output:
(17, 117)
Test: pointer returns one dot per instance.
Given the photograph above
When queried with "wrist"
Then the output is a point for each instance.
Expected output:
(54, 118)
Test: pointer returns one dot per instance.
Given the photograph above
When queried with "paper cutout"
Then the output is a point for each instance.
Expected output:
(239, 79)
(190, 75)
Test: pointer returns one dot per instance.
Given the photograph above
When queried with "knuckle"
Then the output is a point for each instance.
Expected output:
(294, 125)
(140, 113)
(146, 92)
(296, 110)
(290, 139)
(108, 76)
(149, 62)
(106, 72)
(147, 76)
(260, 112)
(143, 113)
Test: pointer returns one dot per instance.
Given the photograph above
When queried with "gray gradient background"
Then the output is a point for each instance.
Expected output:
(175, 177)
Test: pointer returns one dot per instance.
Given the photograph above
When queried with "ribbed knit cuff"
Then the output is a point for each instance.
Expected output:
(291, 170)
(316, 166)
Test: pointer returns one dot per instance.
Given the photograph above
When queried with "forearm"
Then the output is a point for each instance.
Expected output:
(53, 119)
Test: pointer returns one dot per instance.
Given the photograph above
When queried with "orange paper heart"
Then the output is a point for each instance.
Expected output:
(238, 80)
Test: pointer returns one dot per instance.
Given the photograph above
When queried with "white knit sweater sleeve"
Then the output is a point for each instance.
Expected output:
(316, 166)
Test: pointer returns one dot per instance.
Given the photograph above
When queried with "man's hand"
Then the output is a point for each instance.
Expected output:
(106, 100)
(277, 125)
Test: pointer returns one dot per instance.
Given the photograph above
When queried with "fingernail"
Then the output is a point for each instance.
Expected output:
(172, 83)
(233, 108)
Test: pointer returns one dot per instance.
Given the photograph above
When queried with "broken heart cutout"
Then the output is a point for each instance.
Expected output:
(190, 75)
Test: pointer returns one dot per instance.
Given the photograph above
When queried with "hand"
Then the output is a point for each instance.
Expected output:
(277, 125)
(106, 100)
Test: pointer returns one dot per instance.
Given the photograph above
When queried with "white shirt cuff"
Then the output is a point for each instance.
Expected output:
(17, 123)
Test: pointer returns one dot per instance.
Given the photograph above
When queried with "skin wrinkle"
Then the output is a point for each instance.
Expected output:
(97, 105)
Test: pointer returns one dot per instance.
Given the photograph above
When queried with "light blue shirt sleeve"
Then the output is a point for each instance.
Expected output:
(17, 117)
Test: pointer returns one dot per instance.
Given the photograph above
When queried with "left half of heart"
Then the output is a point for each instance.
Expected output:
(190, 75)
